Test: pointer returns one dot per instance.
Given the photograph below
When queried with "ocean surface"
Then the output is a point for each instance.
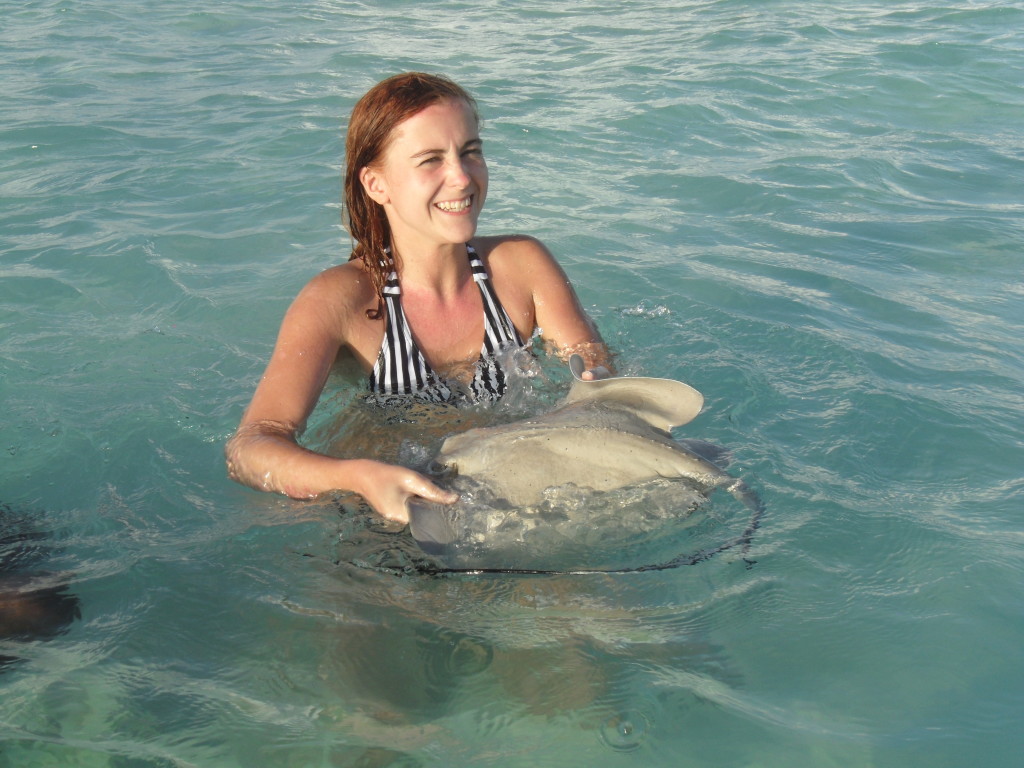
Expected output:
(810, 211)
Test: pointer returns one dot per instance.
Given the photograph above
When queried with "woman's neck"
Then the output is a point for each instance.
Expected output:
(442, 270)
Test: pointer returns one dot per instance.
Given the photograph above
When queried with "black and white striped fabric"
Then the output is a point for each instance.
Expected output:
(401, 369)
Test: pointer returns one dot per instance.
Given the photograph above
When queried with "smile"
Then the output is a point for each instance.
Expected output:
(455, 206)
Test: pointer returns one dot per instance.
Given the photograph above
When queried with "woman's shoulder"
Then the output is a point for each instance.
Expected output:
(347, 283)
(506, 246)
(343, 293)
(519, 258)
(521, 255)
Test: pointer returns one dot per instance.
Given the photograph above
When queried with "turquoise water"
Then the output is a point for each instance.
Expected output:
(810, 211)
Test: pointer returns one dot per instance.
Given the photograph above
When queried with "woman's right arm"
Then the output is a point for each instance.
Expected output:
(264, 452)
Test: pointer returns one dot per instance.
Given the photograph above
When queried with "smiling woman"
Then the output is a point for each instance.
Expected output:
(423, 305)
(432, 179)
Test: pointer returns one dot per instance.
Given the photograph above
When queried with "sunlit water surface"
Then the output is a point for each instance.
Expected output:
(810, 211)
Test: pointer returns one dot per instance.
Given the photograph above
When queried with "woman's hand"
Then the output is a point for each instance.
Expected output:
(596, 374)
(265, 456)
(387, 488)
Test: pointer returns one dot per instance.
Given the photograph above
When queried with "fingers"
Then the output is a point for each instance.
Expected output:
(595, 374)
(415, 484)
(431, 492)
(396, 486)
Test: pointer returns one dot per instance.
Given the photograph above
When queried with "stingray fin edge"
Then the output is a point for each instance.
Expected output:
(662, 403)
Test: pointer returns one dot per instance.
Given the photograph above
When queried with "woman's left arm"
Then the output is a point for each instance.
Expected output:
(544, 293)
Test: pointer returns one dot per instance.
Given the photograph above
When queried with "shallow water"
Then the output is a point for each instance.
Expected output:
(809, 211)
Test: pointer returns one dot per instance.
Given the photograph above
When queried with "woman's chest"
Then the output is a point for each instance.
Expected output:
(446, 332)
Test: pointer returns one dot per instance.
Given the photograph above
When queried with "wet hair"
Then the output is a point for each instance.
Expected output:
(374, 119)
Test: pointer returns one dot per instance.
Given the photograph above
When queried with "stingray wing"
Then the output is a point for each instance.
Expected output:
(662, 403)
(596, 448)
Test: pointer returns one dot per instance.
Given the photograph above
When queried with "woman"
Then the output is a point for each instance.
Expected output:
(423, 305)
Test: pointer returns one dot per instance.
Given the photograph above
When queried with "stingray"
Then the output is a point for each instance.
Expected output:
(605, 435)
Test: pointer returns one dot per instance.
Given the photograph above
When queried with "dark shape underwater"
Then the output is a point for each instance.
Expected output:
(35, 604)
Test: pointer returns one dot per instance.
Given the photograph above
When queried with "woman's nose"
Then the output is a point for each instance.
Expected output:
(458, 173)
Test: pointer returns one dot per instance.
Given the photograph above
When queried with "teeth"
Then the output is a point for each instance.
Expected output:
(455, 206)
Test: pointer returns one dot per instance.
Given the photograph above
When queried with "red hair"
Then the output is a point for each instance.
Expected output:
(374, 119)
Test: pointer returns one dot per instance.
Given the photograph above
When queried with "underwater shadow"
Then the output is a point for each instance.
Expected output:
(35, 604)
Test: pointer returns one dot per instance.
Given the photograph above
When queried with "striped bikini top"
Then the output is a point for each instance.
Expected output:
(401, 370)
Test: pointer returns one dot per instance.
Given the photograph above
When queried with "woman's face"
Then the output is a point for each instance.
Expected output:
(432, 178)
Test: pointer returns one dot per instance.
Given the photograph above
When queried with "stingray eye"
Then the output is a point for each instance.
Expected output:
(441, 468)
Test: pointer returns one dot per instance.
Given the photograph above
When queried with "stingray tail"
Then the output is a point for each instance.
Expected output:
(752, 501)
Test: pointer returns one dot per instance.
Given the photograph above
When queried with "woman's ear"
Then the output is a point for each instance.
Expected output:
(373, 183)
